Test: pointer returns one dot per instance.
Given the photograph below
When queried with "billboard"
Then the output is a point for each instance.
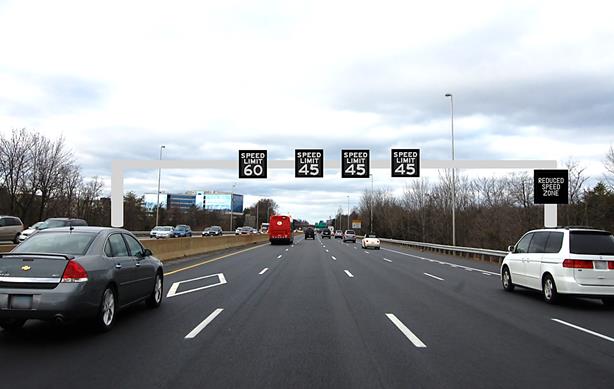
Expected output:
(221, 202)
(150, 200)
(356, 224)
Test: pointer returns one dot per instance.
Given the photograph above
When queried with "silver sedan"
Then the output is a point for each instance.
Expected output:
(77, 272)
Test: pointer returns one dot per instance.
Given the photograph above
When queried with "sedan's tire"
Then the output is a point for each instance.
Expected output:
(506, 280)
(16, 240)
(608, 302)
(155, 299)
(12, 325)
(377, 248)
(107, 311)
(549, 292)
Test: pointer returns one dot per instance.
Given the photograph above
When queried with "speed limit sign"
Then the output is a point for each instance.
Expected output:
(308, 163)
(354, 163)
(252, 163)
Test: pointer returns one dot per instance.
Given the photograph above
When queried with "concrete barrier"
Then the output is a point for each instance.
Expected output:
(167, 249)
(5, 248)
(175, 248)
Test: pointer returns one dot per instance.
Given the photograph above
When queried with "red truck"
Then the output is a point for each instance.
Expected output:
(280, 229)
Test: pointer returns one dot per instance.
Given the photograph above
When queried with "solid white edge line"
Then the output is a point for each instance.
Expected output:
(584, 330)
(432, 276)
(263, 271)
(349, 274)
(203, 324)
(441, 262)
(406, 331)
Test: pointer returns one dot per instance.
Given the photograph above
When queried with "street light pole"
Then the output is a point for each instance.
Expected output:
(159, 174)
(348, 213)
(232, 192)
(371, 207)
(453, 171)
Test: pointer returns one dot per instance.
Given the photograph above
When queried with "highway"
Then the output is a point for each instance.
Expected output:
(326, 314)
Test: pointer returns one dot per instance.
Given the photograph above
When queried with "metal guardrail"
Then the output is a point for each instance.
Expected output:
(471, 252)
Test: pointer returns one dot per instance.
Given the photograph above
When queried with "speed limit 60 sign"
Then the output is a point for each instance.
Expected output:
(355, 163)
(252, 163)
(405, 162)
(309, 163)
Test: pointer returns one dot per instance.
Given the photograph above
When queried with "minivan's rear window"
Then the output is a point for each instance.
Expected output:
(591, 243)
(75, 243)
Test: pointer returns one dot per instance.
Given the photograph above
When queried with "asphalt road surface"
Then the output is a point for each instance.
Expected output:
(326, 315)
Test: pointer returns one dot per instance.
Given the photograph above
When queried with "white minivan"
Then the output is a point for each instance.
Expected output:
(562, 261)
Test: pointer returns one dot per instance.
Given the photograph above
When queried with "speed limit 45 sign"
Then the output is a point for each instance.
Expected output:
(355, 163)
(252, 163)
(405, 162)
(309, 163)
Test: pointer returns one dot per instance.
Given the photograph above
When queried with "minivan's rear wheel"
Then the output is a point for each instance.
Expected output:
(506, 279)
(107, 311)
(155, 299)
(608, 301)
(12, 325)
(551, 296)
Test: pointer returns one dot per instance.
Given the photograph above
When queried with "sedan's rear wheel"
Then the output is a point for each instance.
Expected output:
(107, 311)
(155, 299)
(550, 294)
(12, 325)
(16, 240)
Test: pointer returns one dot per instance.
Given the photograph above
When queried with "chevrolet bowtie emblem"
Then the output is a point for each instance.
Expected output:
(25, 268)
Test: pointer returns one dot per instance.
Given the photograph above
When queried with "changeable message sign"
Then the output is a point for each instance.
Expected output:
(551, 186)
(309, 163)
(355, 163)
(405, 162)
(252, 163)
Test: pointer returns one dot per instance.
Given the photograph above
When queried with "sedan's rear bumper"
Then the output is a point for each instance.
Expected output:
(65, 301)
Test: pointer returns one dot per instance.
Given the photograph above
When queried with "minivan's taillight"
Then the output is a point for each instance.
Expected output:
(611, 265)
(578, 263)
(74, 272)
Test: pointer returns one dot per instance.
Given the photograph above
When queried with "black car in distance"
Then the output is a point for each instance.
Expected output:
(309, 233)
(326, 233)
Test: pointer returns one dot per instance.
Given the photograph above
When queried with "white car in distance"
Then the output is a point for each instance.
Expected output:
(165, 232)
(370, 241)
(25, 234)
(562, 261)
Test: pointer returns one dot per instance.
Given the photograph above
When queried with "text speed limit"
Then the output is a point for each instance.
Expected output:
(405, 162)
(252, 163)
(355, 163)
(309, 163)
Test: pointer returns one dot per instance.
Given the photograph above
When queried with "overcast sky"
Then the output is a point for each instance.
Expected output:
(206, 78)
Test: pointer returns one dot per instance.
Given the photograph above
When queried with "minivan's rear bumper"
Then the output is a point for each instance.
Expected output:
(569, 285)
(65, 301)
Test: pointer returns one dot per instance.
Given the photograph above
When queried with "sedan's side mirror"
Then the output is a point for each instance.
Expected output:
(510, 249)
(147, 253)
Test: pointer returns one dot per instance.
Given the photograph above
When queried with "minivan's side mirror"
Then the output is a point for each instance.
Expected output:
(510, 248)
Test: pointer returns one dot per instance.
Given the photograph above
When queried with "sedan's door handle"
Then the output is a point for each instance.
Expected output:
(118, 265)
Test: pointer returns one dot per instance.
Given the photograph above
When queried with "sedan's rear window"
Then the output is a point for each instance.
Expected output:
(591, 243)
(70, 243)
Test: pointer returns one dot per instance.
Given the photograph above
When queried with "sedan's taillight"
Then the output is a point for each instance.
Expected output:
(74, 272)
(611, 265)
(578, 263)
